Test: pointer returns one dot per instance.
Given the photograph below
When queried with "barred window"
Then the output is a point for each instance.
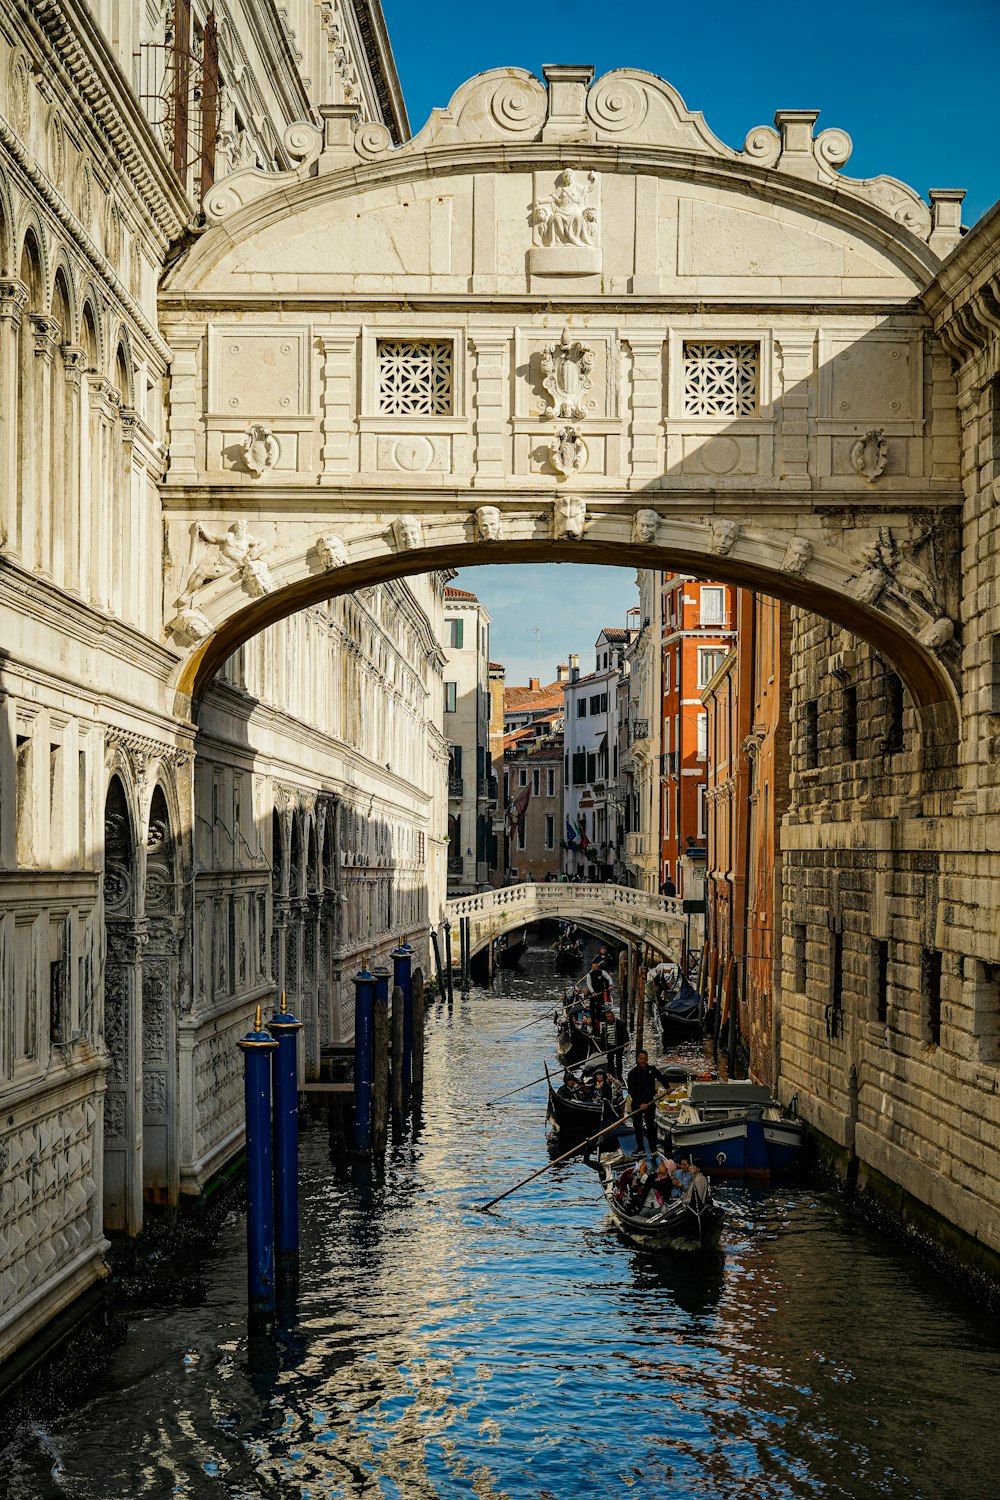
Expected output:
(415, 378)
(720, 380)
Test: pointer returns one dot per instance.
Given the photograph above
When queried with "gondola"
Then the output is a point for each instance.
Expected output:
(510, 955)
(679, 1018)
(571, 1114)
(657, 1225)
(569, 957)
(575, 1041)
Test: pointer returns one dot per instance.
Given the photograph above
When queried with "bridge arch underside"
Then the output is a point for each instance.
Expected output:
(893, 625)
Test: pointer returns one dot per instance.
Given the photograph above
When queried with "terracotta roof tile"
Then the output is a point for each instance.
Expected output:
(451, 593)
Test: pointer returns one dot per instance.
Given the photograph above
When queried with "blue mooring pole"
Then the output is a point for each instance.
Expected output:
(402, 960)
(364, 1054)
(285, 1081)
(257, 1047)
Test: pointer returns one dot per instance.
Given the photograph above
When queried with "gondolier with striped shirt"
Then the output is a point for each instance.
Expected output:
(597, 985)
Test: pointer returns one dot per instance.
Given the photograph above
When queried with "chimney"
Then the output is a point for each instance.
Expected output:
(562, 672)
(534, 683)
(574, 668)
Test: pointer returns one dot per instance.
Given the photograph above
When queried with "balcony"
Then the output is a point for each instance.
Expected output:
(638, 845)
(670, 762)
(456, 786)
(640, 730)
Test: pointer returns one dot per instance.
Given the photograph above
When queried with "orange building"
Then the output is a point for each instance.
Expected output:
(697, 628)
(748, 736)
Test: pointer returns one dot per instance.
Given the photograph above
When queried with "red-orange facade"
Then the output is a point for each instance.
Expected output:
(697, 628)
(748, 760)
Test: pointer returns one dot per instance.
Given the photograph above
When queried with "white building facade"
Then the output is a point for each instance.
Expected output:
(591, 756)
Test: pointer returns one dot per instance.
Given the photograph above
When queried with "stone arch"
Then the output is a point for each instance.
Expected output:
(33, 263)
(124, 933)
(91, 330)
(63, 299)
(8, 219)
(123, 373)
(163, 911)
(829, 583)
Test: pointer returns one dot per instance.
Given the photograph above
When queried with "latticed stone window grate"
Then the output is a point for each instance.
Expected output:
(720, 379)
(415, 378)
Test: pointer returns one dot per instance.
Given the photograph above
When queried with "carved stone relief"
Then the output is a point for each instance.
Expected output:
(567, 452)
(568, 216)
(645, 524)
(332, 551)
(798, 556)
(566, 368)
(569, 518)
(239, 554)
(407, 533)
(261, 449)
(870, 455)
(489, 524)
(723, 536)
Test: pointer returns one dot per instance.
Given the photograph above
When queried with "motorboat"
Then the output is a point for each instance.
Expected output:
(738, 1129)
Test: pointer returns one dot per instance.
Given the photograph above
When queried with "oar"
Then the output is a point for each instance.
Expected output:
(601, 1057)
(482, 1207)
(526, 1027)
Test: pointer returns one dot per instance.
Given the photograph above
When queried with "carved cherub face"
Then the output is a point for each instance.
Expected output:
(406, 530)
(489, 526)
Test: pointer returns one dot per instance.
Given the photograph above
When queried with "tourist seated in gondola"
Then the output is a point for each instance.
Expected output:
(664, 978)
(682, 1176)
(699, 1189)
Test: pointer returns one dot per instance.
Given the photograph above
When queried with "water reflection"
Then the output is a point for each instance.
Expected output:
(438, 1352)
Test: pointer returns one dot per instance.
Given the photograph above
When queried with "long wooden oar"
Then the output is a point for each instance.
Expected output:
(526, 1027)
(598, 1058)
(482, 1207)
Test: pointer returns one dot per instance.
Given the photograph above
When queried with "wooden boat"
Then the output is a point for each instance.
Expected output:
(569, 957)
(738, 1130)
(574, 1043)
(572, 1114)
(510, 954)
(658, 1224)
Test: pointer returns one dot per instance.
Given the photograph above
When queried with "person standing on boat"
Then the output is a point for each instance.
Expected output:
(597, 986)
(641, 1085)
(665, 978)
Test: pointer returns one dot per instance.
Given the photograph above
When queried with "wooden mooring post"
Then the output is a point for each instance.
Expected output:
(380, 1078)
(396, 1028)
(417, 1062)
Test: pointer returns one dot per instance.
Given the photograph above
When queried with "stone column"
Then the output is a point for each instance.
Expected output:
(45, 332)
(103, 521)
(489, 348)
(185, 404)
(74, 562)
(123, 1098)
(646, 415)
(13, 298)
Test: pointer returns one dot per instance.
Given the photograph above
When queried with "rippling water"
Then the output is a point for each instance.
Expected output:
(439, 1352)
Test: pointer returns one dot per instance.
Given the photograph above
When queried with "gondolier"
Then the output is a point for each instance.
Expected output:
(597, 986)
(641, 1087)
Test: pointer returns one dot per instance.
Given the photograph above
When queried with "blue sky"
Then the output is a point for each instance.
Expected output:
(913, 82)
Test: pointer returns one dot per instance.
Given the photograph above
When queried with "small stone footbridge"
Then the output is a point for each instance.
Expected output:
(616, 911)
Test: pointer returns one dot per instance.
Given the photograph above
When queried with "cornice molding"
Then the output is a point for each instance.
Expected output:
(107, 98)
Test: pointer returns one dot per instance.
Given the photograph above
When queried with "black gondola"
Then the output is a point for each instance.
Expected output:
(569, 956)
(572, 1114)
(654, 1222)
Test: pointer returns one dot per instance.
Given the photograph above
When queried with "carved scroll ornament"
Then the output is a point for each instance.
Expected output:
(566, 368)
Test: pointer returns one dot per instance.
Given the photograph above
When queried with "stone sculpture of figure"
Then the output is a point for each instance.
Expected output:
(798, 556)
(723, 536)
(570, 518)
(568, 218)
(890, 568)
(237, 548)
(566, 368)
(645, 524)
(567, 451)
(332, 552)
(255, 575)
(260, 449)
(489, 524)
(407, 533)
(190, 624)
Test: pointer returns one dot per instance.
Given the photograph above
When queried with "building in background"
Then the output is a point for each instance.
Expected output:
(748, 744)
(637, 794)
(590, 758)
(697, 629)
(533, 796)
(471, 787)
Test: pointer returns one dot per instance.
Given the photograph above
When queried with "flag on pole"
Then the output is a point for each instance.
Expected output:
(570, 833)
(584, 840)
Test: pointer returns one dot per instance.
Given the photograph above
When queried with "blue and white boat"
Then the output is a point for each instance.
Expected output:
(738, 1130)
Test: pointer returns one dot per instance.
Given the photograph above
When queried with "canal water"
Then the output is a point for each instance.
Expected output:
(440, 1352)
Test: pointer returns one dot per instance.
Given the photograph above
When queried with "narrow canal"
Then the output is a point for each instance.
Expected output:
(439, 1352)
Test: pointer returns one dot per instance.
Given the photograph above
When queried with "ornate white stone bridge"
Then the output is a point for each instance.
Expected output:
(617, 910)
